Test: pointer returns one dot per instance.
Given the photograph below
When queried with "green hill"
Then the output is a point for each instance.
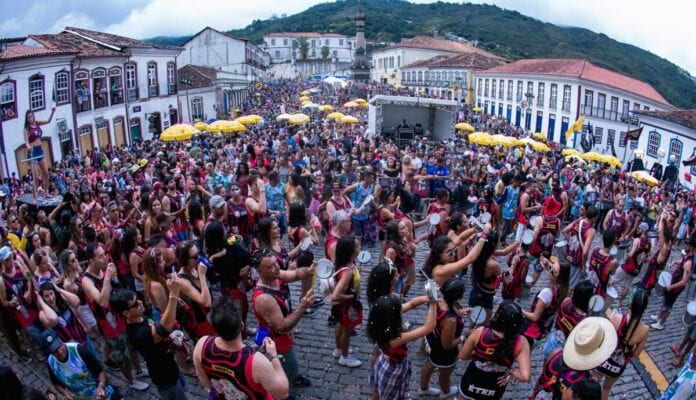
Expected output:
(502, 32)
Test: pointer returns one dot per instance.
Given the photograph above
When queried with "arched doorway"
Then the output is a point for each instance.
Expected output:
(103, 134)
(136, 132)
(119, 131)
(21, 154)
(173, 116)
(155, 124)
(86, 139)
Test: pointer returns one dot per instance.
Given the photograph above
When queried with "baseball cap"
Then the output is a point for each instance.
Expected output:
(52, 341)
(5, 253)
(216, 201)
(339, 217)
(643, 226)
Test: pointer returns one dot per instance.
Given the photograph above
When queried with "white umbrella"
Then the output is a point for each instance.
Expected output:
(310, 105)
(332, 80)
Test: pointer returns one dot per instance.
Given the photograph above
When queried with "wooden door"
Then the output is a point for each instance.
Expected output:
(21, 154)
(86, 143)
(103, 136)
(119, 133)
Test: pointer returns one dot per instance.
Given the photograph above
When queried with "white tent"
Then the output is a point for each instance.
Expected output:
(333, 80)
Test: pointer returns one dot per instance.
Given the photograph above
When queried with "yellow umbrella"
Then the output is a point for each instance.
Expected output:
(364, 105)
(283, 117)
(349, 119)
(237, 127)
(645, 177)
(359, 100)
(248, 119)
(201, 126)
(482, 138)
(611, 160)
(305, 93)
(226, 126)
(541, 147)
(539, 136)
(477, 109)
(526, 141)
(305, 98)
(463, 126)
(298, 118)
(591, 156)
(335, 115)
(507, 141)
(574, 157)
(570, 152)
(326, 107)
(178, 132)
(350, 104)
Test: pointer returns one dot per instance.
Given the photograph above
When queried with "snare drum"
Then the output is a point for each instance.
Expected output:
(662, 282)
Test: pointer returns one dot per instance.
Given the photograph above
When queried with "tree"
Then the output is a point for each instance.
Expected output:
(325, 52)
(303, 45)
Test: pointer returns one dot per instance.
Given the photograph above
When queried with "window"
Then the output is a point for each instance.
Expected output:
(403, 76)
(101, 92)
(82, 91)
(530, 89)
(8, 105)
(335, 53)
(675, 149)
(326, 42)
(272, 42)
(598, 132)
(654, 144)
(625, 108)
(646, 108)
(566, 98)
(277, 53)
(611, 134)
(485, 90)
(614, 105)
(519, 91)
(493, 87)
(601, 104)
(285, 42)
(132, 82)
(509, 90)
(553, 99)
(340, 42)
(540, 95)
(420, 76)
(152, 86)
(636, 106)
(501, 89)
(480, 84)
(116, 85)
(314, 43)
(197, 108)
(589, 100)
(36, 92)
(171, 77)
(62, 88)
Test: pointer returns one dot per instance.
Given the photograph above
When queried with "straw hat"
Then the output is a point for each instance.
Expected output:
(590, 343)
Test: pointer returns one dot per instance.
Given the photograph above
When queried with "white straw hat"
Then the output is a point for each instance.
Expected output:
(590, 343)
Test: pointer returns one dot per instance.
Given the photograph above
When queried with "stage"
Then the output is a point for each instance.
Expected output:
(41, 204)
(403, 118)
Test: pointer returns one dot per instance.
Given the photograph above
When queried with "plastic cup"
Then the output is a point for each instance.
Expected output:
(261, 335)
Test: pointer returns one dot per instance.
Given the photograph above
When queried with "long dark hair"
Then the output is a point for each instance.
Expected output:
(61, 305)
(263, 231)
(379, 283)
(639, 303)
(345, 251)
(508, 321)
(581, 295)
(214, 237)
(434, 258)
(391, 233)
(384, 320)
(480, 264)
(452, 291)
(129, 240)
(298, 215)
(562, 279)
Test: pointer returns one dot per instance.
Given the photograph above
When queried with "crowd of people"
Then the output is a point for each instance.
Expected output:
(160, 251)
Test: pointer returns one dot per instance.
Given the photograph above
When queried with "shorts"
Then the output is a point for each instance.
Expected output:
(37, 153)
(390, 380)
(575, 276)
(479, 297)
(622, 279)
(350, 314)
(360, 227)
(669, 299)
(120, 353)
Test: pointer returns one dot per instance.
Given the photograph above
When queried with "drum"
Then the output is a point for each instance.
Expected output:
(690, 313)
(533, 220)
(325, 268)
(652, 235)
(596, 305)
(305, 244)
(431, 290)
(612, 295)
(478, 315)
(560, 248)
(526, 287)
(613, 250)
(364, 257)
(434, 219)
(662, 282)
(528, 237)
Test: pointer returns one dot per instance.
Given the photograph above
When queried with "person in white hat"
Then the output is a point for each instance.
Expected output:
(589, 344)
(632, 335)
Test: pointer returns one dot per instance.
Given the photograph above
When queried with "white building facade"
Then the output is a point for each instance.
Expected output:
(284, 47)
(548, 95)
(109, 91)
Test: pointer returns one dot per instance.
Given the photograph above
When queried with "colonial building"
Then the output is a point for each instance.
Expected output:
(665, 134)
(286, 46)
(387, 63)
(447, 77)
(547, 95)
(108, 89)
(209, 93)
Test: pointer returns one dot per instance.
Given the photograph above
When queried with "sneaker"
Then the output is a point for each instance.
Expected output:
(349, 361)
(431, 391)
(309, 312)
(337, 352)
(140, 386)
(452, 392)
(112, 365)
(654, 318)
(657, 326)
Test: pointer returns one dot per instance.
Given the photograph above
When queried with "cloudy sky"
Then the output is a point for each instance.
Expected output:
(665, 28)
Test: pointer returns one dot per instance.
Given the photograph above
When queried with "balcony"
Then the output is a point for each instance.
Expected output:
(172, 88)
(133, 93)
(153, 90)
(552, 104)
(602, 113)
(82, 103)
(519, 97)
(117, 96)
(100, 100)
(566, 106)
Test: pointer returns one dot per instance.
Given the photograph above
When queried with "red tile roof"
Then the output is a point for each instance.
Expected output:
(16, 52)
(430, 43)
(583, 70)
(686, 118)
(199, 75)
(305, 34)
(464, 60)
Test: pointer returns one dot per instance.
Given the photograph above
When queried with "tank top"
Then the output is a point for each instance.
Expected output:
(539, 328)
(635, 262)
(677, 275)
(575, 247)
(239, 218)
(543, 244)
(69, 328)
(617, 223)
(400, 258)
(599, 263)
(195, 319)
(359, 196)
(435, 337)
(557, 377)
(222, 367)
(16, 285)
(511, 291)
(35, 133)
(654, 266)
(330, 240)
(568, 317)
(111, 324)
(492, 348)
(75, 375)
(282, 297)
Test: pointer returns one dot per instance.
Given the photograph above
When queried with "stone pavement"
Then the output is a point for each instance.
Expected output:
(315, 342)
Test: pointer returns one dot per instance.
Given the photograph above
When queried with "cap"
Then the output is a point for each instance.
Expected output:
(115, 160)
(163, 218)
(643, 226)
(339, 216)
(216, 201)
(5, 253)
(52, 341)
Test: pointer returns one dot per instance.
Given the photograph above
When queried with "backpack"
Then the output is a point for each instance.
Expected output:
(327, 285)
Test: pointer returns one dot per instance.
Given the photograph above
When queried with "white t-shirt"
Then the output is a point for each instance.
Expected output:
(546, 295)
(417, 163)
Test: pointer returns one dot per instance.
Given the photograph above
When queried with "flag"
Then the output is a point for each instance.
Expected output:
(577, 126)
(631, 135)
